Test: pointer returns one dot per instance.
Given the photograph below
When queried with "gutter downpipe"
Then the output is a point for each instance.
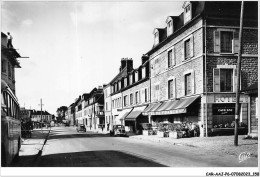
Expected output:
(206, 89)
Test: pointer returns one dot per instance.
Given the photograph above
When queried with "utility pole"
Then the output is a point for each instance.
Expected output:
(41, 112)
(238, 75)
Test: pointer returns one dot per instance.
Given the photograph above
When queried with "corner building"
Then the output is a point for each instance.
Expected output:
(193, 65)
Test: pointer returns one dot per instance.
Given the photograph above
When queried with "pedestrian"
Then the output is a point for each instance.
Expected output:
(9, 40)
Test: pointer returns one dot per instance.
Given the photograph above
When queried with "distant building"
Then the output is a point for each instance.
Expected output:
(71, 114)
(26, 114)
(78, 111)
(108, 107)
(38, 117)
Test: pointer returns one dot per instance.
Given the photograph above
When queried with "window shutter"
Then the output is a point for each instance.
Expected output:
(235, 42)
(183, 51)
(216, 73)
(217, 41)
(174, 88)
(183, 86)
(234, 80)
(191, 47)
(139, 97)
(173, 57)
(193, 82)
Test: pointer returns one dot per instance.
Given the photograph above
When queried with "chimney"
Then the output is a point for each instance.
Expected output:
(126, 62)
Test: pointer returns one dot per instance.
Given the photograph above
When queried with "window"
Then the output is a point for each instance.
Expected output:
(145, 95)
(226, 41)
(226, 84)
(187, 13)
(130, 79)
(170, 88)
(188, 86)
(143, 72)
(125, 82)
(171, 58)
(169, 24)
(136, 76)
(131, 99)
(169, 27)
(224, 79)
(3, 66)
(188, 48)
(157, 92)
(136, 98)
(156, 37)
(125, 100)
(119, 85)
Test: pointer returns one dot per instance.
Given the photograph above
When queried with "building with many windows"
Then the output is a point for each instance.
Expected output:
(108, 107)
(135, 93)
(117, 83)
(193, 65)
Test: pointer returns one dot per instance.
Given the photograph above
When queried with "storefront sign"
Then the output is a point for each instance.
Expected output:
(175, 111)
(229, 98)
(224, 111)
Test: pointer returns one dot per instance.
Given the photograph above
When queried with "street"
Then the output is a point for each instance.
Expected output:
(66, 147)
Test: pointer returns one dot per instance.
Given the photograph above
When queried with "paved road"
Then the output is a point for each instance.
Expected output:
(67, 148)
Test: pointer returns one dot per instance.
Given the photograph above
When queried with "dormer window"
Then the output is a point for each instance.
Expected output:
(136, 76)
(187, 12)
(169, 22)
(130, 79)
(156, 37)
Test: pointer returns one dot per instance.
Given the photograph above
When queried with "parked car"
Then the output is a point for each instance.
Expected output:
(118, 130)
(80, 128)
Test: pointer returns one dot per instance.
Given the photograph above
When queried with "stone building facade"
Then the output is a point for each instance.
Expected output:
(193, 65)
(136, 96)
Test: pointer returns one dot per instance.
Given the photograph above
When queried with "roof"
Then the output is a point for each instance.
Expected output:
(207, 9)
(119, 76)
(34, 112)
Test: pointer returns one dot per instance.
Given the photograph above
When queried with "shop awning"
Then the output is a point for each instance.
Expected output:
(174, 106)
(151, 107)
(135, 113)
(123, 114)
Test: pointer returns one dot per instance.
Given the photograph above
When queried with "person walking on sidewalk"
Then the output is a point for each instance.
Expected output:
(9, 40)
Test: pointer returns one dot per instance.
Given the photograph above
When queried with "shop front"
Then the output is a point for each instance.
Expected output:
(119, 120)
(174, 111)
(221, 113)
(134, 119)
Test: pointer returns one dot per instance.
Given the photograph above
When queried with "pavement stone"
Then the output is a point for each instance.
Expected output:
(31, 147)
(216, 145)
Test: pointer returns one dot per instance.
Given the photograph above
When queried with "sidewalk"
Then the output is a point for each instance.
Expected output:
(31, 147)
(221, 145)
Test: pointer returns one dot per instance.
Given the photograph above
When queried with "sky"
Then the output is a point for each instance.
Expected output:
(74, 47)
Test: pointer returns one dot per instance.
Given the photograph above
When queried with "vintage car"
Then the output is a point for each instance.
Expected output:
(118, 130)
(81, 128)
